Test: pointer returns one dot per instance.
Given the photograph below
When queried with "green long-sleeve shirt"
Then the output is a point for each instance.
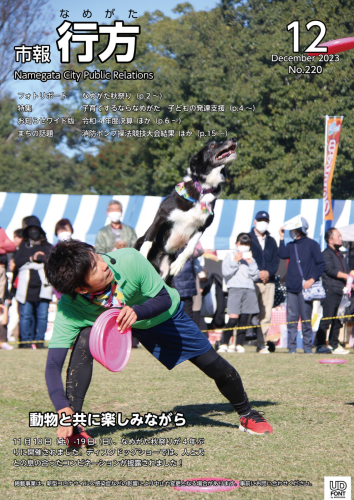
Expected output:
(137, 280)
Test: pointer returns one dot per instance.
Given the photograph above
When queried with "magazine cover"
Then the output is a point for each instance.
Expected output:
(176, 259)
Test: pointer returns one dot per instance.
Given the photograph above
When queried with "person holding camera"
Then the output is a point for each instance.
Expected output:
(33, 291)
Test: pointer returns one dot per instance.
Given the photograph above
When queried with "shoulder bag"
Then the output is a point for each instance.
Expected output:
(316, 291)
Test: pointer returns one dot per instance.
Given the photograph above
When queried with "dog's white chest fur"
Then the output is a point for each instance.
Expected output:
(186, 224)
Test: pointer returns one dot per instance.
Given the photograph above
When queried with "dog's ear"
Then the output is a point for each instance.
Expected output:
(195, 162)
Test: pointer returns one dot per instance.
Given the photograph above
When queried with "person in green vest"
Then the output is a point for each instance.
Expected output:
(91, 283)
(116, 235)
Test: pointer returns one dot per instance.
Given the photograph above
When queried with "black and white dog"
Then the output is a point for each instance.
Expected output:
(184, 215)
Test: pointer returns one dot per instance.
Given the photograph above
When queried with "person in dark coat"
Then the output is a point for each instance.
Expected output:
(33, 291)
(265, 253)
(334, 280)
(312, 267)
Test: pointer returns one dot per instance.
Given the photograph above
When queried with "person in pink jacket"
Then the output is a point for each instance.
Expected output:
(6, 246)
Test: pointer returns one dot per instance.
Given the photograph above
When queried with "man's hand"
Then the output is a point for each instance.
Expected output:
(264, 276)
(35, 256)
(120, 244)
(126, 318)
(281, 232)
(62, 431)
(238, 256)
(308, 283)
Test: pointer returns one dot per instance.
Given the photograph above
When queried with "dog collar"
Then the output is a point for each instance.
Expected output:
(182, 191)
(200, 189)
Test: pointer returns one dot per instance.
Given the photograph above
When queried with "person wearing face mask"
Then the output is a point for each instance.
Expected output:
(116, 234)
(265, 253)
(312, 265)
(240, 271)
(334, 280)
(63, 230)
(33, 291)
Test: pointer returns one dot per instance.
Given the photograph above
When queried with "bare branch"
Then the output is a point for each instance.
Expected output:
(11, 136)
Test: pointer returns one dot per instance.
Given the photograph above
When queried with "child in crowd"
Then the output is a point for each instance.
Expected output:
(240, 272)
(18, 237)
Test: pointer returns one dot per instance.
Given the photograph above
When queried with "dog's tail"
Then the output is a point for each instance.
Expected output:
(139, 242)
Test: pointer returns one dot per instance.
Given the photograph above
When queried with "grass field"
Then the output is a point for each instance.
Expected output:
(309, 405)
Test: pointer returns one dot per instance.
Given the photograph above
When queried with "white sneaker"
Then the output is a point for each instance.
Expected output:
(231, 348)
(240, 349)
(6, 346)
(265, 350)
(222, 348)
(340, 350)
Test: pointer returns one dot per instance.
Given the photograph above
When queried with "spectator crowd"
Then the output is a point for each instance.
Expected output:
(244, 283)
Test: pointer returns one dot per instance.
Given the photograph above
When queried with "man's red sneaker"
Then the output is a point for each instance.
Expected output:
(254, 423)
(80, 439)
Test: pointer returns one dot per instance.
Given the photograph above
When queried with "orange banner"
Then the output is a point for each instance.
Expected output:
(333, 129)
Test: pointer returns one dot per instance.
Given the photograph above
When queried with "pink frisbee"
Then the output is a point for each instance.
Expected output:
(332, 361)
(208, 485)
(335, 46)
(108, 346)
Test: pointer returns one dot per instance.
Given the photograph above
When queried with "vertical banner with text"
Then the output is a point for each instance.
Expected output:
(333, 129)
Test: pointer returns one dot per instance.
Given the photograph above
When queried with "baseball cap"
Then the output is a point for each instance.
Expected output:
(262, 215)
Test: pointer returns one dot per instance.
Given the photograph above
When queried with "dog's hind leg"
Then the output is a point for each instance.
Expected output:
(179, 263)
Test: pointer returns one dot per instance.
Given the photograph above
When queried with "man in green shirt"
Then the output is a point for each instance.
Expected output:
(90, 283)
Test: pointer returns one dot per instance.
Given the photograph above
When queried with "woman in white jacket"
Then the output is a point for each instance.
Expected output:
(240, 271)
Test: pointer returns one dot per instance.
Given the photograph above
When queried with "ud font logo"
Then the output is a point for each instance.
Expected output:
(337, 487)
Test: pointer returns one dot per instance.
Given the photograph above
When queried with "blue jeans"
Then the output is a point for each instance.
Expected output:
(33, 320)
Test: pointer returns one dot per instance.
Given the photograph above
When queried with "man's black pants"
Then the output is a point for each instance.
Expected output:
(330, 308)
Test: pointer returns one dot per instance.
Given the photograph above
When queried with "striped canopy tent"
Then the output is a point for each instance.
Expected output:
(87, 214)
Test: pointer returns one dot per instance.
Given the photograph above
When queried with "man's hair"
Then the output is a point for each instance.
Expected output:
(329, 233)
(68, 264)
(114, 202)
(61, 225)
(245, 239)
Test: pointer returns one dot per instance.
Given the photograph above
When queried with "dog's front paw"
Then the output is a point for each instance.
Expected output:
(177, 266)
(145, 248)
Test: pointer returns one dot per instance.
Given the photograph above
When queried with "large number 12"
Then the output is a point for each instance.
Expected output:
(295, 25)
